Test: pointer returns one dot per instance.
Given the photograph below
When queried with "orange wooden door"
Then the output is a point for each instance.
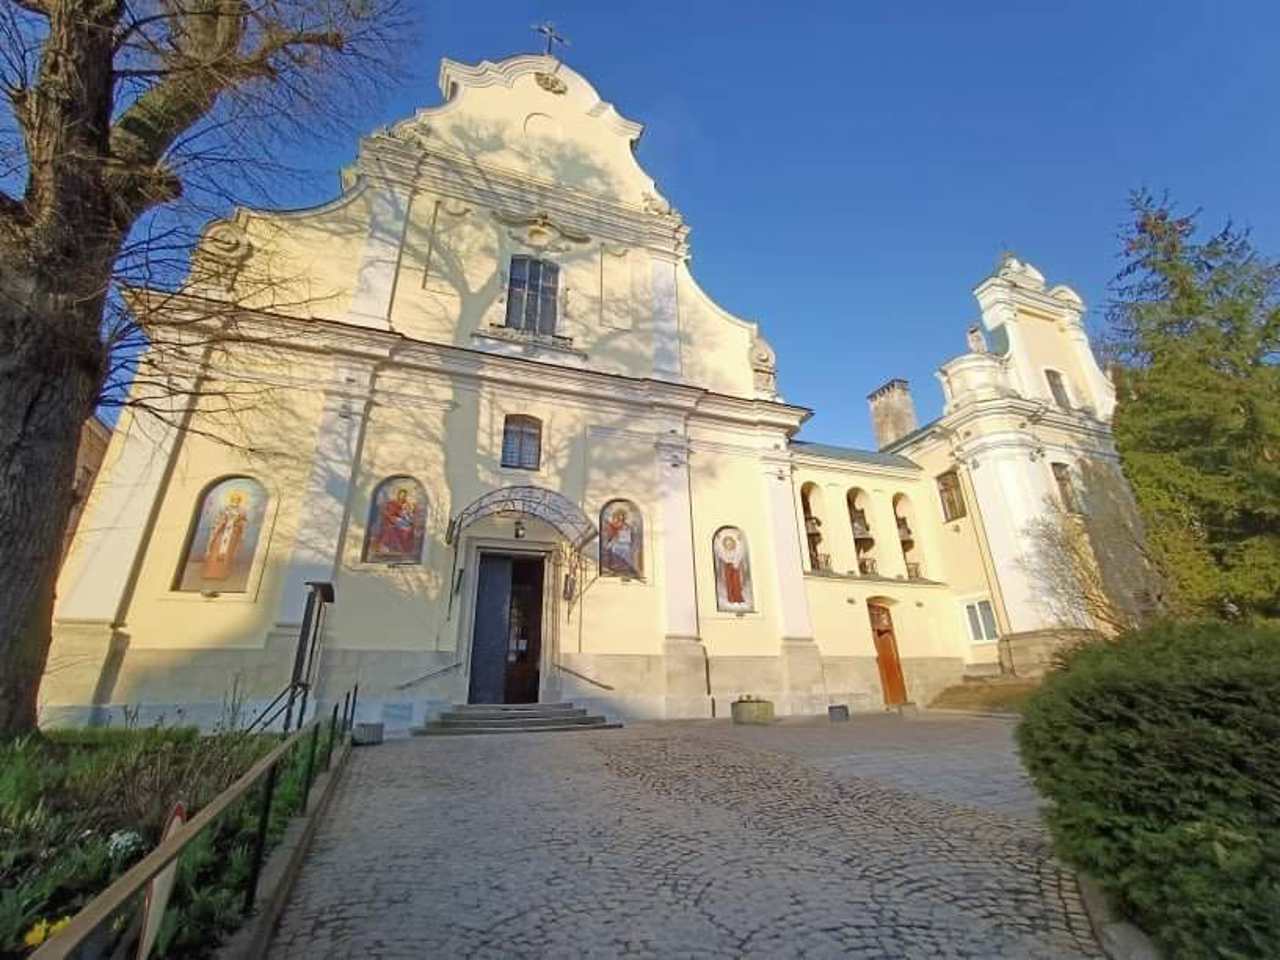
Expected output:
(891, 679)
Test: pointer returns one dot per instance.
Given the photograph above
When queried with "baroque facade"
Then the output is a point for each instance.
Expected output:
(489, 403)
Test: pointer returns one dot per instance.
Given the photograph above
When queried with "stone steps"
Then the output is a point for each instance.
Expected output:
(480, 718)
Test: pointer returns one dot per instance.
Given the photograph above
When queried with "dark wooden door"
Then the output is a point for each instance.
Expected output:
(492, 630)
(524, 646)
(891, 679)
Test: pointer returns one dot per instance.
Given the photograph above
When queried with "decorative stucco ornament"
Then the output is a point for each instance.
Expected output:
(225, 249)
(657, 206)
(1020, 274)
(550, 83)
(540, 232)
(764, 367)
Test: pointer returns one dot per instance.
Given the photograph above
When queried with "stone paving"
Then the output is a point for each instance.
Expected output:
(883, 837)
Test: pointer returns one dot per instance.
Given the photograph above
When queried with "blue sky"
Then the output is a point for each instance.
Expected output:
(851, 170)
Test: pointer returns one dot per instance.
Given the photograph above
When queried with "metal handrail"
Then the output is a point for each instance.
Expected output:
(117, 896)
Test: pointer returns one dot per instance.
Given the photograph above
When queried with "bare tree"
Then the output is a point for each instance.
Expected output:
(1091, 567)
(130, 123)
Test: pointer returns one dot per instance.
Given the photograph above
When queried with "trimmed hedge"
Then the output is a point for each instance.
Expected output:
(1160, 753)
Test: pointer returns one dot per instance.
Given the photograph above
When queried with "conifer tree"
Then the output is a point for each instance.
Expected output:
(1196, 327)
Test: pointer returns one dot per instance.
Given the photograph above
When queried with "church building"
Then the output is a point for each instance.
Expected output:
(483, 396)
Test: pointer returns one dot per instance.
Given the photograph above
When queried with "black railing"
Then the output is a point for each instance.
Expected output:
(126, 893)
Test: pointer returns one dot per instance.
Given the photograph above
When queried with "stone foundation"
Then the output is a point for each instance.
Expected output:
(97, 679)
(1031, 653)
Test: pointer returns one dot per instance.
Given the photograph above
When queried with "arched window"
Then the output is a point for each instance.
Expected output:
(397, 521)
(952, 498)
(1066, 487)
(1058, 388)
(864, 544)
(621, 540)
(733, 571)
(223, 538)
(522, 442)
(811, 504)
(905, 516)
(533, 291)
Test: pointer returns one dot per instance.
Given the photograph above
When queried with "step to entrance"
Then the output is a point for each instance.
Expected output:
(469, 718)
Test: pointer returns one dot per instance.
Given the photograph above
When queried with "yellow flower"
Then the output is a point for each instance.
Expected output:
(37, 934)
(42, 931)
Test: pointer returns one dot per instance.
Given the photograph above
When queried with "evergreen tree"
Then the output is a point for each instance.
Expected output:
(1196, 327)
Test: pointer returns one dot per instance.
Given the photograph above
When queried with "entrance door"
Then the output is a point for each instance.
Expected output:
(506, 647)
(891, 680)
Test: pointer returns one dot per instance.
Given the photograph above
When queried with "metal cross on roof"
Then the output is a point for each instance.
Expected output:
(548, 30)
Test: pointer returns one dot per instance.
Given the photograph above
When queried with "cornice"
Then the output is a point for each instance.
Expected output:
(337, 340)
(833, 465)
(412, 165)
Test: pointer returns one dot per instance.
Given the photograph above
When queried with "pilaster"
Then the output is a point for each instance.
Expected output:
(666, 320)
(794, 620)
(678, 574)
(323, 502)
(380, 258)
(111, 537)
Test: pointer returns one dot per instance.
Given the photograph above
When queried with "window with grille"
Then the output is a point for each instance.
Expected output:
(1066, 487)
(521, 442)
(532, 295)
(1058, 387)
(982, 621)
(952, 498)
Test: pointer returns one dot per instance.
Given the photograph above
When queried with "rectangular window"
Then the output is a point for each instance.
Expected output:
(521, 443)
(533, 290)
(982, 621)
(1066, 487)
(952, 498)
(1058, 387)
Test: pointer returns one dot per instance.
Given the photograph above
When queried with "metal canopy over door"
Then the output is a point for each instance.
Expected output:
(891, 680)
(506, 646)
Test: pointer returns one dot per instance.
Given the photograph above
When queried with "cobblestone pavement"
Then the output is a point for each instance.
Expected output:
(883, 837)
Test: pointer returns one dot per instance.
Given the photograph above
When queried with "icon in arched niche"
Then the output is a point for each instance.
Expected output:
(397, 520)
(733, 571)
(621, 540)
(222, 545)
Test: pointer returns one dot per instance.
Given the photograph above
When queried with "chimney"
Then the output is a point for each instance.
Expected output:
(893, 415)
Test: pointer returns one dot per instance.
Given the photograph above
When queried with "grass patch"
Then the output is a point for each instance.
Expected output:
(78, 808)
(994, 696)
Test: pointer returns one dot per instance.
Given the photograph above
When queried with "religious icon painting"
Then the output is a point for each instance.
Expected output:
(733, 571)
(621, 540)
(397, 521)
(221, 547)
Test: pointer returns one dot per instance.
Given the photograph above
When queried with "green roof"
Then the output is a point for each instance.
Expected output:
(853, 455)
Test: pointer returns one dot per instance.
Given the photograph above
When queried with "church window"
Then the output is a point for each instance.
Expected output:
(1066, 487)
(811, 505)
(621, 540)
(952, 497)
(397, 520)
(532, 295)
(522, 442)
(982, 621)
(1058, 387)
(904, 514)
(223, 539)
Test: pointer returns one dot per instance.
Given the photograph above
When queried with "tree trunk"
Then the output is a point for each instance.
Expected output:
(50, 371)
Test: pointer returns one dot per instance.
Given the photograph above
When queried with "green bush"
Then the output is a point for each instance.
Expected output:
(1160, 753)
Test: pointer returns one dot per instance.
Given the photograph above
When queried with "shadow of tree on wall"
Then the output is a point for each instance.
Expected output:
(255, 413)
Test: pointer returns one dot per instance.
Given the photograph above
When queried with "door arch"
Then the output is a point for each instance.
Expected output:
(892, 682)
